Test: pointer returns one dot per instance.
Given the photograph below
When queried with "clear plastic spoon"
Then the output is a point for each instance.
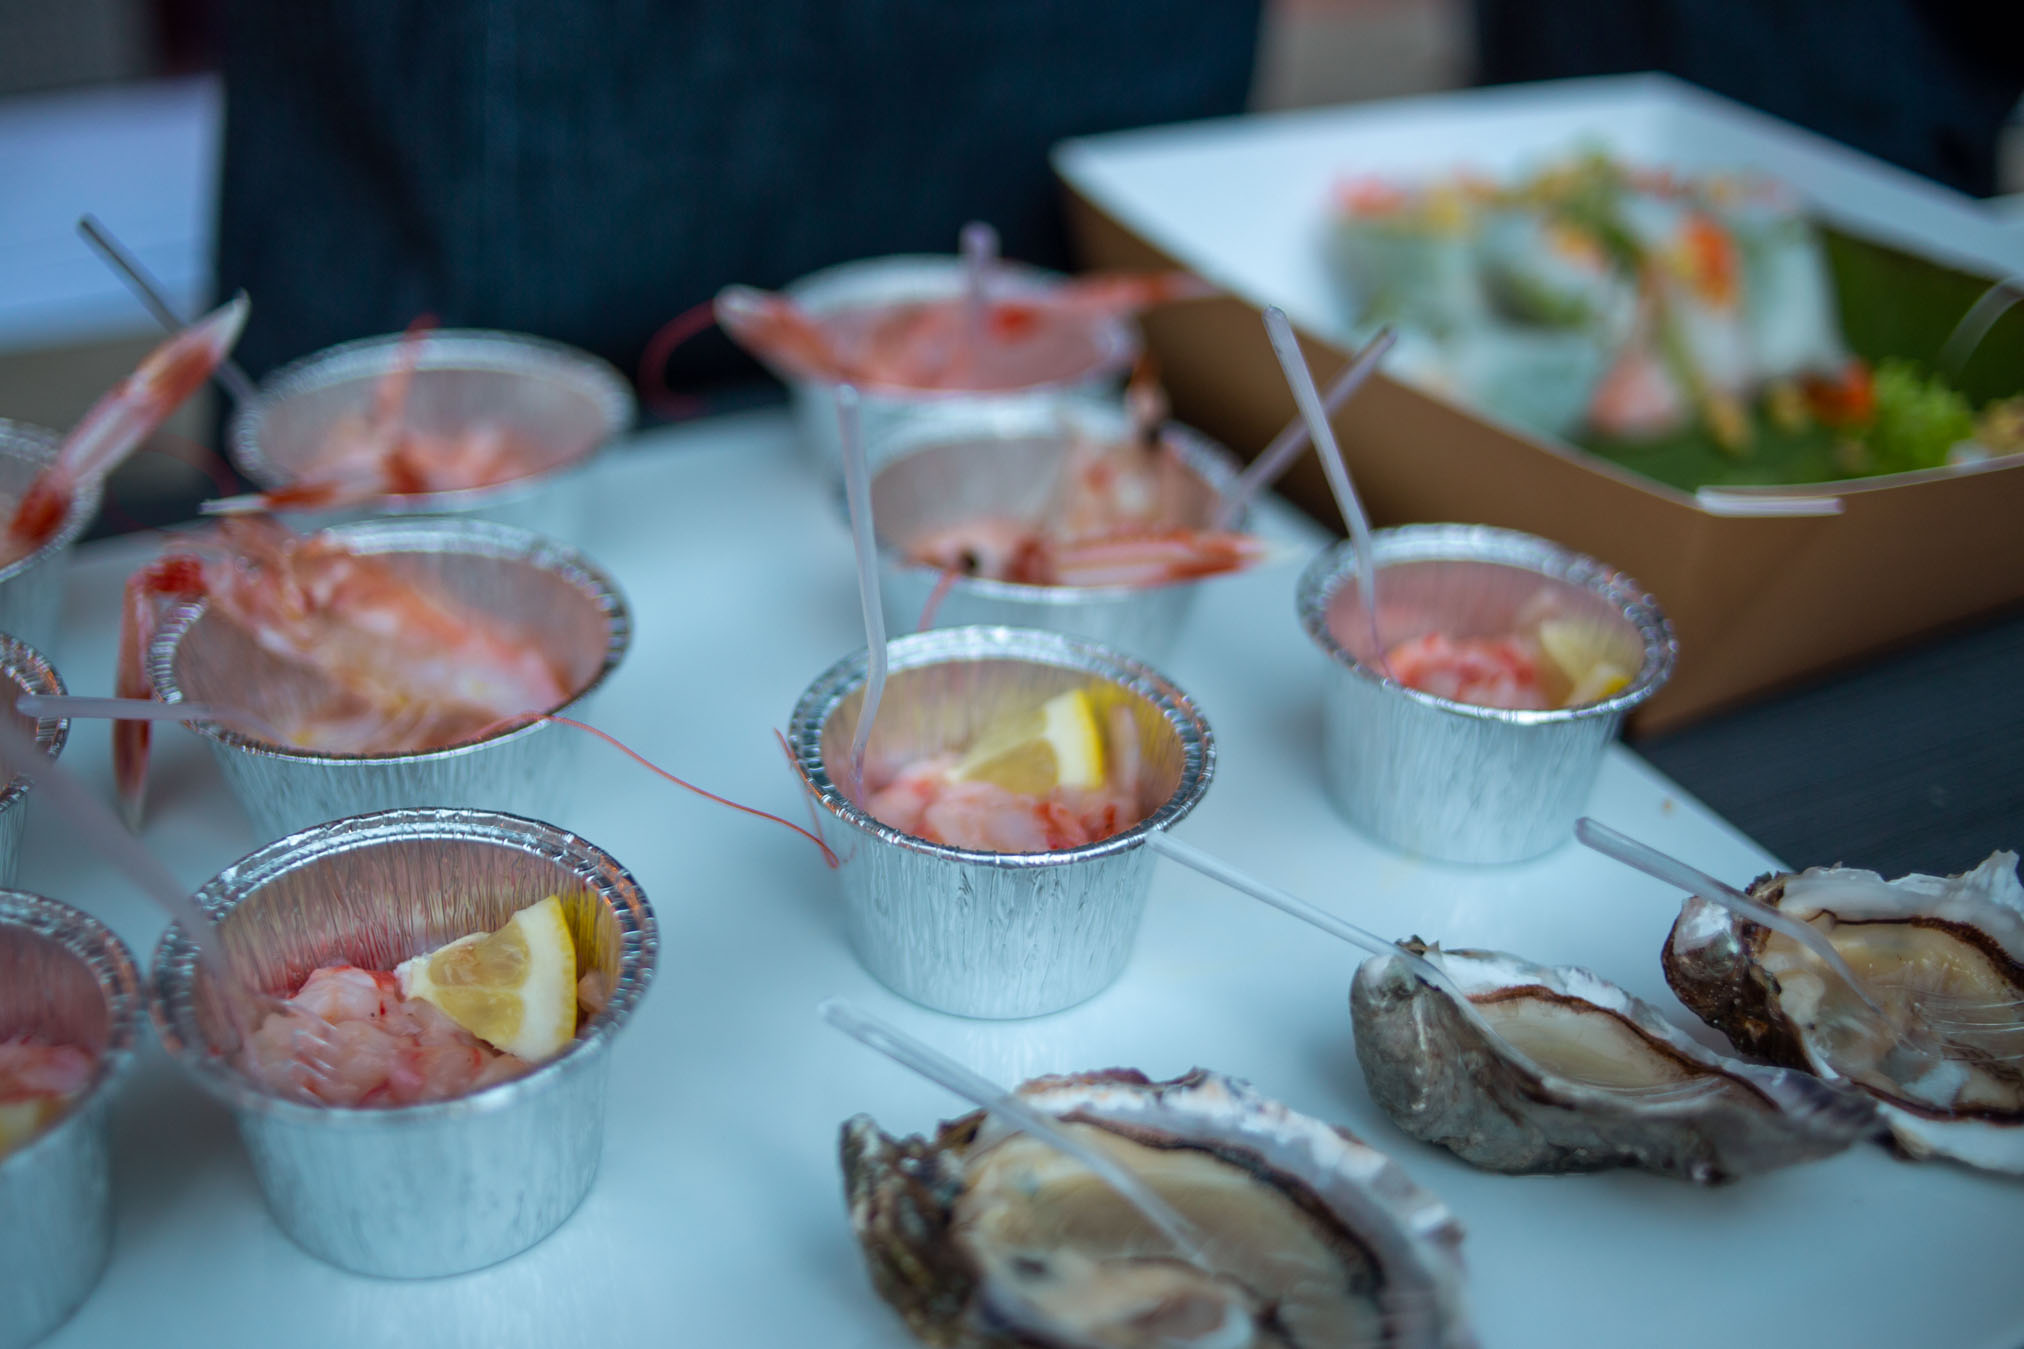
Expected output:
(945, 1072)
(149, 291)
(1216, 869)
(1287, 445)
(979, 243)
(146, 709)
(1301, 380)
(857, 496)
(108, 838)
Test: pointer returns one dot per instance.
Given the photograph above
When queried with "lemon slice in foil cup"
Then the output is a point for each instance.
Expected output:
(1058, 744)
(515, 989)
(1586, 654)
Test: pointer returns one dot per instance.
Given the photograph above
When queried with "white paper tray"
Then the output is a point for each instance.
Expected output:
(1244, 201)
(718, 1218)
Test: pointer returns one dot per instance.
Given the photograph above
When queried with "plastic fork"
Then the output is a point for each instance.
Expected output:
(1218, 870)
(1694, 881)
(1287, 445)
(146, 709)
(311, 1041)
(945, 1072)
(864, 544)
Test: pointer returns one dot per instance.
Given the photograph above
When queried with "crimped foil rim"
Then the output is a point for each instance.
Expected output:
(25, 440)
(931, 275)
(30, 672)
(482, 538)
(106, 956)
(1335, 566)
(171, 980)
(947, 645)
(368, 358)
(1211, 463)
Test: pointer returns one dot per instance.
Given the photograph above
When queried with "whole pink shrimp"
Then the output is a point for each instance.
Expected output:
(118, 423)
(379, 453)
(934, 344)
(409, 669)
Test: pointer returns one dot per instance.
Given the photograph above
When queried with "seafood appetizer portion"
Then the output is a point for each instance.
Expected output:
(38, 1081)
(389, 420)
(987, 1238)
(1128, 510)
(1548, 1069)
(395, 664)
(1943, 958)
(485, 1008)
(1010, 338)
(1544, 663)
(1059, 776)
(116, 425)
(1684, 325)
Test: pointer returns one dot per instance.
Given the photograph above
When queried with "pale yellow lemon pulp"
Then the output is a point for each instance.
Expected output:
(515, 989)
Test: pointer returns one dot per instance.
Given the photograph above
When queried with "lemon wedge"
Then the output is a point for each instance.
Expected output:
(22, 1120)
(1058, 743)
(515, 989)
(1585, 655)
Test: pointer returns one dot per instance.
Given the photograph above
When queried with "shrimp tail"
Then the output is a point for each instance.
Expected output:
(777, 331)
(120, 421)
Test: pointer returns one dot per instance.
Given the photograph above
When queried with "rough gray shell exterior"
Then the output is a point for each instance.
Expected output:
(902, 1194)
(1444, 1076)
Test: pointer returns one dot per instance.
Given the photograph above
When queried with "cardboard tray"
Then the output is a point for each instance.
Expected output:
(1765, 585)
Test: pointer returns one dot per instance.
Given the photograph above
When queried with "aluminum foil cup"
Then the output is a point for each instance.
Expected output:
(1449, 780)
(927, 276)
(553, 595)
(564, 403)
(31, 590)
(980, 933)
(64, 979)
(23, 670)
(959, 462)
(421, 1190)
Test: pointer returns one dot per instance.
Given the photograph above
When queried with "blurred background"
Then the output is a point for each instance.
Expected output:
(114, 107)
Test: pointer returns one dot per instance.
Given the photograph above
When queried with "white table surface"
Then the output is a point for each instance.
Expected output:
(718, 1217)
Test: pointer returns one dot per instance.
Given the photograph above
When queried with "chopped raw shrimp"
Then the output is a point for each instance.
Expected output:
(1486, 671)
(382, 1049)
(30, 1070)
(923, 800)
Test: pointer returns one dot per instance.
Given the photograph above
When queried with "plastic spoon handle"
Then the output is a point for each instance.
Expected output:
(1301, 380)
(980, 251)
(857, 495)
(143, 709)
(945, 1072)
(1694, 881)
(149, 291)
(110, 839)
(1287, 445)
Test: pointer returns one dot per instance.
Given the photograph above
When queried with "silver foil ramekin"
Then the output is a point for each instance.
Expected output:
(552, 595)
(981, 933)
(563, 402)
(64, 979)
(421, 1190)
(926, 276)
(959, 462)
(1449, 780)
(31, 589)
(23, 670)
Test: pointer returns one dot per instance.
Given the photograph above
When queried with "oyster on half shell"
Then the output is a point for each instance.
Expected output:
(1554, 1069)
(1944, 955)
(986, 1238)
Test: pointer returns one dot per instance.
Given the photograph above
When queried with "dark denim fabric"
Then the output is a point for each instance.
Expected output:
(587, 169)
(1925, 84)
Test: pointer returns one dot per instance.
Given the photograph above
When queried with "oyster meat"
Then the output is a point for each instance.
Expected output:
(986, 1238)
(1539, 1068)
(1945, 957)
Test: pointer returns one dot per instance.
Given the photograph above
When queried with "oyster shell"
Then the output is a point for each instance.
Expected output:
(1945, 954)
(1554, 1069)
(985, 1238)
